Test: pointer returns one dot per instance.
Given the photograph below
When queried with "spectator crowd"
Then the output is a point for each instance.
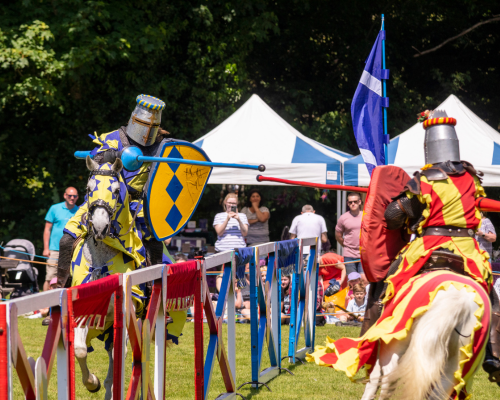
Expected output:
(342, 285)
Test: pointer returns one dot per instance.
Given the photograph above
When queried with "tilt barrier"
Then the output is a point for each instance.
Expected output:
(176, 284)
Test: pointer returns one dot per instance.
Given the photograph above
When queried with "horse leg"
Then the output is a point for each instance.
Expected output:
(389, 357)
(108, 382)
(372, 385)
(90, 381)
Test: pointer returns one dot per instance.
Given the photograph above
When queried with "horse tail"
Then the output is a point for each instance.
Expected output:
(421, 372)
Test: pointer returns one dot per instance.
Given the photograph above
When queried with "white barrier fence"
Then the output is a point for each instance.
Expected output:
(34, 375)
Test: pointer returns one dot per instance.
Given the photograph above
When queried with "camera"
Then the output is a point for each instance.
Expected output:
(233, 209)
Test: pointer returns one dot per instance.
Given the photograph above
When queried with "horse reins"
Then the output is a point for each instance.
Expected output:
(107, 207)
(456, 330)
(101, 202)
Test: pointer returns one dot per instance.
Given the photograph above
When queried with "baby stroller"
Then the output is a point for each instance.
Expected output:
(19, 278)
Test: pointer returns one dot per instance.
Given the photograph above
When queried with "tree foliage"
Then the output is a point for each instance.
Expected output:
(72, 67)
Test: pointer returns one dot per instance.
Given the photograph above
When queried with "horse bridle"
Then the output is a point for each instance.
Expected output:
(101, 202)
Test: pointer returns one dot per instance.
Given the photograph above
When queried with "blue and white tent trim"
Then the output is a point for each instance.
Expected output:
(479, 145)
(255, 134)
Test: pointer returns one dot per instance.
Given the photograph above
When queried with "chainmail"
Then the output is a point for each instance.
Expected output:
(154, 251)
(402, 208)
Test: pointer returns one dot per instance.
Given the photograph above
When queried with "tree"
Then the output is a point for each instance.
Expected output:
(72, 67)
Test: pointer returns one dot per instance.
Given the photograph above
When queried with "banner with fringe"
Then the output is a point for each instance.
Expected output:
(93, 301)
(181, 285)
(287, 252)
(243, 257)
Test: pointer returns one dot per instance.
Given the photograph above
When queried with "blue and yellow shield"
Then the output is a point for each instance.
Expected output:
(174, 190)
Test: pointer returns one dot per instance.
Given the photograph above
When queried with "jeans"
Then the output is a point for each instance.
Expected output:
(353, 267)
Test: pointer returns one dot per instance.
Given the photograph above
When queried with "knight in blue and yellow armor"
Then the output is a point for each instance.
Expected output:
(143, 131)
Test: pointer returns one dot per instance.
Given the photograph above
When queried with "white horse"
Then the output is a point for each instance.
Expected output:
(423, 365)
(98, 254)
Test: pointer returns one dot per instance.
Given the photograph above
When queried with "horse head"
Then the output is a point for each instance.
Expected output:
(103, 196)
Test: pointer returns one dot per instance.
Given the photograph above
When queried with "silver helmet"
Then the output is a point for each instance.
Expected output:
(145, 120)
(441, 141)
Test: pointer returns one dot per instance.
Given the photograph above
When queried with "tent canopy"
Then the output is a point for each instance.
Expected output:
(255, 134)
(479, 145)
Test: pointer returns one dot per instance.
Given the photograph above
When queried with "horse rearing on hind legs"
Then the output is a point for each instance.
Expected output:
(110, 243)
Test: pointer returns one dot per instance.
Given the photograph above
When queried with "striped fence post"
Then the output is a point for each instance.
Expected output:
(215, 318)
(303, 302)
(34, 376)
(265, 300)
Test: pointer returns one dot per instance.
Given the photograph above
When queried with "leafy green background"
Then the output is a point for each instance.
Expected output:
(69, 68)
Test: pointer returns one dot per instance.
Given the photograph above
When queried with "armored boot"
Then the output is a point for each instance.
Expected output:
(66, 246)
(375, 296)
(491, 362)
(373, 305)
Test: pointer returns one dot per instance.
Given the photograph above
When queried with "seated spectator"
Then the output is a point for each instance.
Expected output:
(242, 303)
(286, 291)
(180, 257)
(356, 305)
(329, 268)
(263, 274)
(353, 279)
(320, 319)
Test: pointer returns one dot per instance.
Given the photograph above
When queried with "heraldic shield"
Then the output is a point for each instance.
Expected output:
(378, 246)
(174, 190)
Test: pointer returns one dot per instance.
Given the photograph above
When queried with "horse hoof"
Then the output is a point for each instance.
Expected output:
(97, 388)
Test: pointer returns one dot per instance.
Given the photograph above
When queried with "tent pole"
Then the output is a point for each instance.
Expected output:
(344, 208)
(339, 213)
(384, 94)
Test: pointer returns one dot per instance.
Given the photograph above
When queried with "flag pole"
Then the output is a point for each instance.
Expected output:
(384, 94)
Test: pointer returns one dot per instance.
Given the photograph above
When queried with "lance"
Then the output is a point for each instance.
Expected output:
(483, 203)
(132, 159)
(261, 178)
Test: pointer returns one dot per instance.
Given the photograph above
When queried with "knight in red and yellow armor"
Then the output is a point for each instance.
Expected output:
(438, 207)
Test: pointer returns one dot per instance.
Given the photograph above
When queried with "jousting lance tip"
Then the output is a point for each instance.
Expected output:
(261, 178)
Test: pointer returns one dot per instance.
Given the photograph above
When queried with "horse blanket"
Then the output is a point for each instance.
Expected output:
(413, 300)
(131, 252)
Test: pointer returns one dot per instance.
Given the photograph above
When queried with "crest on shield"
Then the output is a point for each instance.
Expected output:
(173, 190)
(378, 246)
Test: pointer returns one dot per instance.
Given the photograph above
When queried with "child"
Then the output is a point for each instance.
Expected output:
(358, 303)
(286, 289)
(353, 279)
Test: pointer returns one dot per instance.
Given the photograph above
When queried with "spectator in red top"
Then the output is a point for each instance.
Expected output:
(330, 271)
(347, 234)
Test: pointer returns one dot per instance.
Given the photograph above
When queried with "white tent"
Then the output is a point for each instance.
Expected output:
(479, 145)
(255, 134)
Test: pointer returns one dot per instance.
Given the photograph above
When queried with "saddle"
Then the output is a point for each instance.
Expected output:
(443, 259)
(440, 259)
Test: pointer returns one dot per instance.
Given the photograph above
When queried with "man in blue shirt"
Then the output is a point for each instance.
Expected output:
(55, 221)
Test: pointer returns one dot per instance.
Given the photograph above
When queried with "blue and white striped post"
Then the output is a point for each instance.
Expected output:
(385, 76)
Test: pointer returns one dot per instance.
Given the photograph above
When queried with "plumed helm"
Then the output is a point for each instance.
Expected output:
(145, 120)
(441, 141)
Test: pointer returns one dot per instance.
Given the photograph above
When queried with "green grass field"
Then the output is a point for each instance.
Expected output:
(309, 382)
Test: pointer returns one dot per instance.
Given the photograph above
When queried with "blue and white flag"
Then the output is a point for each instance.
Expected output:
(366, 108)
